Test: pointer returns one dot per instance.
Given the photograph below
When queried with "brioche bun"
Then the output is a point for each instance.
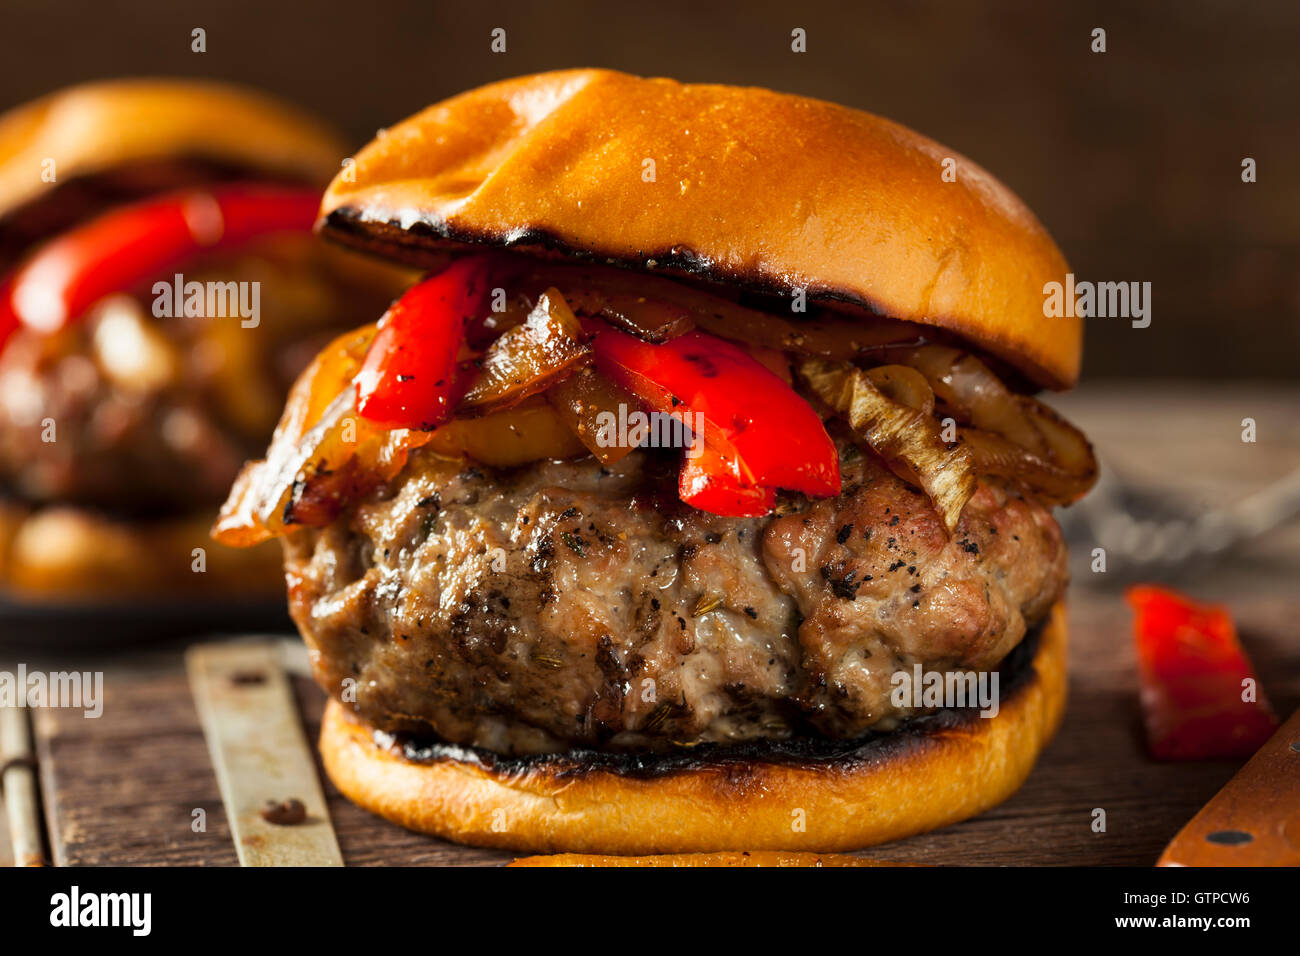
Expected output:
(763, 190)
(97, 127)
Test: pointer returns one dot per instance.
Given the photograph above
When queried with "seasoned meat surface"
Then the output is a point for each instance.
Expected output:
(568, 604)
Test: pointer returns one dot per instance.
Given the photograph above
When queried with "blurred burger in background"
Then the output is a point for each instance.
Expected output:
(542, 627)
(161, 290)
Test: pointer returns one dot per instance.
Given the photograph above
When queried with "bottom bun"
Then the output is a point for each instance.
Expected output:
(935, 771)
(66, 552)
(721, 858)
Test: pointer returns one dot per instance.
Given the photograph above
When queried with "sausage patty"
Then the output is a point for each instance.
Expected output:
(568, 604)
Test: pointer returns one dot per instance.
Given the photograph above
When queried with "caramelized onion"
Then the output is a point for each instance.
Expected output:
(904, 385)
(323, 393)
(648, 306)
(969, 387)
(529, 357)
(827, 336)
(906, 438)
(308, 480)
(581, 400)
(324, 455)
(1067, 446)
(1012, 436)
(656, 309)
(529, 431)
(774, 360)
(994, 454)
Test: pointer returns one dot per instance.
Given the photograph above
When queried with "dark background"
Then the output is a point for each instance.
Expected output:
(1131, 158)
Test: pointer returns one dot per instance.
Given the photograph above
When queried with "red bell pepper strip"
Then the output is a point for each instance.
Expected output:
(706, 482)
(771, 437)
(132, 244)
(8, 321)
(1193, 670)
(409, 378)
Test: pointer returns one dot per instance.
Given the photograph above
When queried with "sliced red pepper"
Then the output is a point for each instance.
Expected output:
(410, 378)
(8, 321)
(134, 243)
(754, 420)
(1193, 670)
(707, 483)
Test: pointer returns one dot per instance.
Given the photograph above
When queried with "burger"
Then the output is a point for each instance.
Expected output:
(160, 290)
(711, 418)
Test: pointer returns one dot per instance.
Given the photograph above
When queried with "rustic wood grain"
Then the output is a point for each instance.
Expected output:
(121, 789)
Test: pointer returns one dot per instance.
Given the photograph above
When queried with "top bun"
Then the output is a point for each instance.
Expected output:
(97, 127)
(766, 190)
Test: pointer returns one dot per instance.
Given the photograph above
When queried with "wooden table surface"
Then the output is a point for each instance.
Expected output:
(123, 789)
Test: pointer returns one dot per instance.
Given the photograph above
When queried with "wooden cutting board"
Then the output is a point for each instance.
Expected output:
(123, 789)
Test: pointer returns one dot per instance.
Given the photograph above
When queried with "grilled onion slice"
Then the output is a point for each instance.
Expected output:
(656, 309)
(996, 455)
(581, 399)
(1012, 436)
(528, 358)
(967, 386)
(319, 400)
(1061, 476)
(907, 438)
(904, 385)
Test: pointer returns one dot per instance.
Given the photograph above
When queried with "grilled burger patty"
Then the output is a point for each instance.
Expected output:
(567, 604)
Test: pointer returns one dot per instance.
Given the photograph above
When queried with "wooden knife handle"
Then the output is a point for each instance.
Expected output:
(1255, 819)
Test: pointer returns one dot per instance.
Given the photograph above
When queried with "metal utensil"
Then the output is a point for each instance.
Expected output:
(18, 781)
(1145, 531)
(264, 768)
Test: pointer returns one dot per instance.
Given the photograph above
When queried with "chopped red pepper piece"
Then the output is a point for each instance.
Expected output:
(1193, 670)
(764, 434)
(130, 245)
(409, 378)
(707, 483)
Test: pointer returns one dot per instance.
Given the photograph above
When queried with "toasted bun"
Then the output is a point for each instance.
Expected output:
(97, 127)
(901, 785)
(762, 189)
(67, 553)
(741, 858)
